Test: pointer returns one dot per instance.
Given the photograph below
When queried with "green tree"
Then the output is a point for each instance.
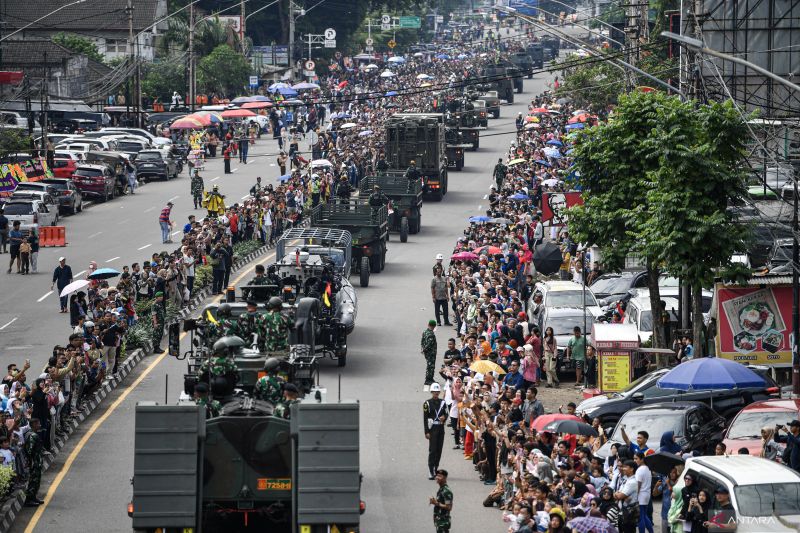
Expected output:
(592, 86)
(223, 71)
(160, 79)
(13, 140)
(79, 45)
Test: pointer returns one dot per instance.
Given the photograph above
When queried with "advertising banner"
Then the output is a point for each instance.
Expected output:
(615, 370)
(753, 324)
(13, 173)
(555, 205)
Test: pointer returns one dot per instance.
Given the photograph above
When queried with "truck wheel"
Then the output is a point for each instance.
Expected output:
(364, 272)
(383, 258)
(495, 113)
(417, 223)
(459, 164)
(375, 262)
(404, 229)
(341, 359)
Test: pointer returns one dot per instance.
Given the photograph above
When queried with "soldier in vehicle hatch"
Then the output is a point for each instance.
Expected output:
(213, 407)
(412, 172)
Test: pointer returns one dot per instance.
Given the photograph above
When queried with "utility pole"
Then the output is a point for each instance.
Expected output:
(44, 104)
(291, 39)
(129, 11)
(636, 31)
(191, 57)
(242, 27)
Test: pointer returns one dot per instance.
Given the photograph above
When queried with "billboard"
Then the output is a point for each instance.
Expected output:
(269, 55)
(13, 173)
(754, 324)
(555, 205)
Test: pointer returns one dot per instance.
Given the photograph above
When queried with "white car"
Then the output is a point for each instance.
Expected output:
(77, 147)
(640, 314)
(30, 212)
(565, 294)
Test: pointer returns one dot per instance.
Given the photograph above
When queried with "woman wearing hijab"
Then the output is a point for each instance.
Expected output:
(668, 443)
(689, 493)
(673, 516)
(769, 448)
(606, 500)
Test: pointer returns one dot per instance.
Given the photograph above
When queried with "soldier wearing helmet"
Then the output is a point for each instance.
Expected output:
(412, 172)
(223, 325)
(276, 328)
(377, 198)
(269, 388)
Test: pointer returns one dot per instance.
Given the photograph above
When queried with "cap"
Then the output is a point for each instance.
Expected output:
(435, 387)
(439, 256)
(290, 387)
(62, 258)
(722, 489)
(170, 203)
(794, 423)
(252, 302)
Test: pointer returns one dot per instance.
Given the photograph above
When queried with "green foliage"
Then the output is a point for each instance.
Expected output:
(79, 45)
(209, 34)
(6, 478)
(591, 86)
(13, 140)
(162, 78)
(223, 71)
(202, 277)
(242, 248)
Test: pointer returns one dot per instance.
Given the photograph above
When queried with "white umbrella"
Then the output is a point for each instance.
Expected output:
(423, 77)
(321, 163)
(371, 66)
(365, 133)
(396, 59)
(74, 286)
(387, 74)
(419, 54)
(552, 182)
(347, 126)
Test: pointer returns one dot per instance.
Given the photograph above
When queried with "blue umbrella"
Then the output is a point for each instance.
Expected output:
(103, 273)
(242, 99)
(278, 85)
(552, 152)
(391, 93)
(396, 59)
(284, 178)
(481, 218)
(554, 142)
(576, 126)
(710, 373)
(442, 56)
(543, 163)
(518, 196)
(287, 91)
(305, 86)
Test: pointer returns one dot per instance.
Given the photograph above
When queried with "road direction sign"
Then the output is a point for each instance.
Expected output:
(392, 43)
(330, 34)
(253, 81)
(369, 41)
(386, 19)
(330, 43)
(410, 22)
(310, 65)
(386, 27)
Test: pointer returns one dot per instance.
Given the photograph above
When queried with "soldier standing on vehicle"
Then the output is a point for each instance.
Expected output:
(343, 190)
(442, 503)
(377, 199)
(290, 396)
(213, 407)
(434, 416)
(269, 387)
(428, 344)
(499, 173)
(412, 172)
(219, 364)
(159, 321)
(249, 324)
(197, 188)
(259, 280)
(276, 328)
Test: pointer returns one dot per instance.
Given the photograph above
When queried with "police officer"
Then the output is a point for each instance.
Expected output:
(428, 345)
(213, 407)
(434, 415)
(276, 328)
(412, 172)
(442, 503)
(159, 320)
(249, 324)
(377, 198)
(269, 387)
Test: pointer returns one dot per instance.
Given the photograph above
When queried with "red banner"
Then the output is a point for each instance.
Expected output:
(754, 324)
(555, 205)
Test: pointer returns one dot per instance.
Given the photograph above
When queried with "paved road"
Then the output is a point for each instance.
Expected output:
(385, 370)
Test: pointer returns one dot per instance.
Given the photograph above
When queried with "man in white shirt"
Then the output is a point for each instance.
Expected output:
(626, 495)
(644, 480)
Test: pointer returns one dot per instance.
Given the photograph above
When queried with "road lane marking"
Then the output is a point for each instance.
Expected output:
(112, 259)
(45, 296)
(235, 169)
(148, 209)
(79, 273)
(123, 221)
(174, 198)
(215, 179)
(175, 233)
(4, 326)
(245, 196)
(93, 235)
(144, 247)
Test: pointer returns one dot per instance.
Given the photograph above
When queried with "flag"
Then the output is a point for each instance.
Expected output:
(328, 288)
(325, 299)
(211, 318)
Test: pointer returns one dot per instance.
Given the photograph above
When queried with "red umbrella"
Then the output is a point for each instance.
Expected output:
(542, 421)
(256, 105)
(540, 110)
(464, 256)
(342, 85)
(493, 250)
(585, 117)
(237, 113)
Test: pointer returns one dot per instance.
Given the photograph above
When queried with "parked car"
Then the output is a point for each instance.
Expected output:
(566, 294)
(74, 125)
(640, 314)
(75, 146)
(68, 154)
(42, 196)
(156, 163)
(40, 186)
(96, 181)
(695, 425)
(29, 211)
(563, 321)
(609, 288)
(69, 197)
(745, 430)
(765, 495)
(63, 168)
(610, 407)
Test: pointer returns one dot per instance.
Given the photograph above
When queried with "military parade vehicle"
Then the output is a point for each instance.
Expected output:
(405, 208)
(536, 53)
(462, 119)
(491, 101)
(524, 62)
(368, 226)
(497, 78)
(456, 145)
(419, 138)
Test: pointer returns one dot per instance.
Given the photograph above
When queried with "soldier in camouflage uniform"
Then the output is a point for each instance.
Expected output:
(259, 279)
(428, 345)
(276, 327)
(159, 321)
(251, 323)
(269, 387)
(442, 503)
(33, 448)
(197, 189)
(213, 407)
(225, 326)
(219, 364)
(290, 396)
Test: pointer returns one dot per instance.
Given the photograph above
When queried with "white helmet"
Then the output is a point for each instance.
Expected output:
(439, 257)
(88, 324)
(435, 387)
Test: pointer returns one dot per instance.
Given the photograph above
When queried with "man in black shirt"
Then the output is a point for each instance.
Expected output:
(723, 517)
(451, 354)
(62, 276)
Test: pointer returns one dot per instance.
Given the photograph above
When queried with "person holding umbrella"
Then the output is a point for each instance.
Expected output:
(62, 276)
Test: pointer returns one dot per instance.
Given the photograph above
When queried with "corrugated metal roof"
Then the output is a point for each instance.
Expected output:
(755, 281)
(94, 15)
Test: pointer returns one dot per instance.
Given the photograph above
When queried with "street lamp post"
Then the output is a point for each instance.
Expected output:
(699, 47)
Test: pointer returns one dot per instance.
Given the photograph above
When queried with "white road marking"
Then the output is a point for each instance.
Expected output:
(20, 347)
(4, 326)
(144, 247)
(215, 179)
(485, 196)
(176, 232)
(235, 169)
(93, 235)
(112, 259)
(245, 196)
(79, 274)
(173, 198)
(273, 165)
(121, 222)
(149, 209)
(45, 296)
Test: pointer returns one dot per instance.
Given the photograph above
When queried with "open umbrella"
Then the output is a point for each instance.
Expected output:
(550, 182)
(259, 98)
(516, 161)
(284, 178)
(256, 105)
(287, 91)
(547, 258)
(591, 524)
(663, 462)
(207, 117)
(365, 133)
(237, 113)
(464, 256)
(532, 125)
(278, 85)
(542, 110)
(241, 100)
(343, 84)
(543, 163)
(424, 77)
(500, 221)
(371, 66)
(710, 373)
(348, 125)
(321, 163)
(575, 126)
(552, 152)
(304, 86)
(480, 218)
(74, 286)
(579, 112)
(103, 273)
(425, 84)
(391, 93)
(396, 59)
(554, 142)
(462, 56)
(418, 54)
(564, 101)
(484, 366)
(492, 250)
(541, 421)
(518, 196)
(570, 427)
(186, 123)
(387, 74)
(442, 56)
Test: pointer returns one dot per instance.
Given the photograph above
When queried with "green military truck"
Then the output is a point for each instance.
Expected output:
(536, 53)
(497, 78)
(419, 137)
(524, 62)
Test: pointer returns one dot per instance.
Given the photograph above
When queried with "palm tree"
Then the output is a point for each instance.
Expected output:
(209, 33)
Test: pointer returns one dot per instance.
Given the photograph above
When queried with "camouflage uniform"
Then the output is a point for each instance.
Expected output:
(160, 315)
(428, 344)
(268, 388)
(441, 517)
(283, 409)
(276, 329)
(247, 325)
(33, 451)
(218, 365)
(213, 407)
(197, 190)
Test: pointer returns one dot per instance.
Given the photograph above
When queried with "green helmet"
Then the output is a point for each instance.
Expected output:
(224, 310)
(271, 365)
(275, 304)
(226, 343)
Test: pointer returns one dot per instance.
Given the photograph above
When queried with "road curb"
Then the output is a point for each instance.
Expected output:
(11, 508)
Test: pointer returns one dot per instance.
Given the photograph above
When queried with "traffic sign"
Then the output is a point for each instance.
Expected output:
(386, 27)
(369, 49)
(330, 43)
(386, 19)
(330, 34)
(369, 41)
(310, 65)
(253, 82)
(392, 43)
(410, 22)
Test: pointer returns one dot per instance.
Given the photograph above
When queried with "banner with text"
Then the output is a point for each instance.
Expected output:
(13, 173)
